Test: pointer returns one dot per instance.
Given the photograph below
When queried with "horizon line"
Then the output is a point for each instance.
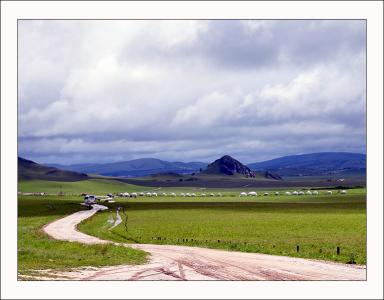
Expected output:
(193, 161)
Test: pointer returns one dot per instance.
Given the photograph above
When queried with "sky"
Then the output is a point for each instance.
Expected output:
(191, 90)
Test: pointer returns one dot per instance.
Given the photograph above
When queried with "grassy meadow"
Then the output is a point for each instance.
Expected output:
(271, 224)
(264, 224)
(90, 186)
(37, 251)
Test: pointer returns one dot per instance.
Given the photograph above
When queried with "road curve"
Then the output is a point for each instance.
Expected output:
(169, 262)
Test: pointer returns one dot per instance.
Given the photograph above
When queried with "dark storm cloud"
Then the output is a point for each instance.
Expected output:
(189, 90)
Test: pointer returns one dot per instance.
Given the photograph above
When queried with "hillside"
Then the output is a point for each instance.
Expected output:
(136, 168)
(227, 165)
(315, 164)
(29, 170)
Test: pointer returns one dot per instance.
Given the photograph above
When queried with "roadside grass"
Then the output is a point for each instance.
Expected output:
(37, 251)
(271, 225)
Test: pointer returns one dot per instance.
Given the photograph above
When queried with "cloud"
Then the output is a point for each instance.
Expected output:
(189, 90)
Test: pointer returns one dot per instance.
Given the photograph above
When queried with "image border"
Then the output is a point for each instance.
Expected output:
(372, 288)
(366, 132)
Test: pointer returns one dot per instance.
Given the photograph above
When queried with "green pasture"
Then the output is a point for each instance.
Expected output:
(91, 186)
(105, 186)
(233, 196)
(272, 224)
(37, 251)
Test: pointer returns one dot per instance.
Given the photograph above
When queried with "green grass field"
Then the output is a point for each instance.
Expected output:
(105, 186)
(264, 224)
(37, 251)
(91, 186)
(233, 196)
(271, 225)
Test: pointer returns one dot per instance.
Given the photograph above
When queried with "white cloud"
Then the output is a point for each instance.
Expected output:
(189, 90)
(172, 34)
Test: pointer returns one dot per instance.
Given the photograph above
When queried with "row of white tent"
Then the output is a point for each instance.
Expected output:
(243, 194)
(278, 193)
(154, 194)
(202, 195)
(291, 193)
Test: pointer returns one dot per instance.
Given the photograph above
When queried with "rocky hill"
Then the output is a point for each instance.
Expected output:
(227, 165)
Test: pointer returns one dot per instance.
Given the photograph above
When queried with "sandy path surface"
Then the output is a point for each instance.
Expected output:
(192, 263)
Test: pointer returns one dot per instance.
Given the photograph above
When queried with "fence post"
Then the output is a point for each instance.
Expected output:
(297, 248)
(338, 250)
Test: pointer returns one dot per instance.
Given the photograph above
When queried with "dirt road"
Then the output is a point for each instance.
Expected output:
(192, 263)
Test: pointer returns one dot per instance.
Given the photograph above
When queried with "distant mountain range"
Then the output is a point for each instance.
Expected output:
(135, 168)
(314, 164)
(28, 170)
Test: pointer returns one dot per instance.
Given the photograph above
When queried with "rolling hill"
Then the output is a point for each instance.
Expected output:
(315, 164)
(135, 168)
(29, 170)
(223, 172)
